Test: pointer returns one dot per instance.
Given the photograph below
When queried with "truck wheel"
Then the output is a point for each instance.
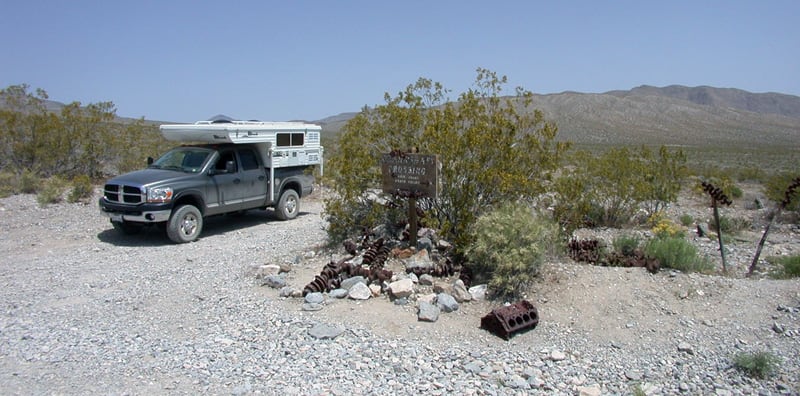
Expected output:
(127, 228)
(185, 224)
(288, 205)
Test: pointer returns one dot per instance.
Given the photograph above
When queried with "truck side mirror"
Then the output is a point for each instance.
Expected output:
(230, 167)
(150, 161)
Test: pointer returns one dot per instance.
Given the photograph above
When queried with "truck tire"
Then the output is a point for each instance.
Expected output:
(288, 205)
(127, 227)
(185, 224)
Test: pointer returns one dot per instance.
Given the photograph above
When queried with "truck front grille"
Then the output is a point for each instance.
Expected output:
(123, 194)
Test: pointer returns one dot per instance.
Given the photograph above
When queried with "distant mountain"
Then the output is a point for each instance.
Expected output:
(766, 103)
(673, 115)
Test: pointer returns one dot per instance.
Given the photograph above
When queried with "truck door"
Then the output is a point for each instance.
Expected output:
(227, 183)
(254, 179)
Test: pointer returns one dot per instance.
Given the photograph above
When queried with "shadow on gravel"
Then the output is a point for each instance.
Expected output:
(216, 225)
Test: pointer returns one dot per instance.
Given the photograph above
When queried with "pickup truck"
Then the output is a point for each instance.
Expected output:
(254, 167)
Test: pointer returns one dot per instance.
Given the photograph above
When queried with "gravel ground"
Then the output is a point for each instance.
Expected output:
(85, 310)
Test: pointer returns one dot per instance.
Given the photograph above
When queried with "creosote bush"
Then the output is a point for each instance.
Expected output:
(51, 192)
(492, 147)
(82, 189)
(511, 244)
(759, 364)
(677, 253)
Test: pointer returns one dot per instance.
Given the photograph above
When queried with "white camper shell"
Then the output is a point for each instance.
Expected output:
(281, 144)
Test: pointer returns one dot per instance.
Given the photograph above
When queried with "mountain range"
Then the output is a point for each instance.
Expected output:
(673, 115)
(677, 115)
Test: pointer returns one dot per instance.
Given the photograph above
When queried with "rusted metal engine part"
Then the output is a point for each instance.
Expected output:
(507, 321)
(637, 259)
(585, 250)
(447, 268)
(716, 193)
(334, 273)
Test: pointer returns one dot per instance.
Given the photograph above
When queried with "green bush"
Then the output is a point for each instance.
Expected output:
(759, 365)
(626, 244)
(789, 266)
(51, 192)
(8, 184)
(730, 225)
(776, 187)
(492, 148)
(511, 243)
(677, 253)
(686, 220)
(82, 189)
(29, 182)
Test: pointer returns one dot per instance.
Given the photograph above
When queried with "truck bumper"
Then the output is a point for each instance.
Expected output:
(148, 213)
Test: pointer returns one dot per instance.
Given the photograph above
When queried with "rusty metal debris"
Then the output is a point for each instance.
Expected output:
(585, 250)
(334, 273)
(716, 193)
(636, 259)
(591, 251)
(509, 320)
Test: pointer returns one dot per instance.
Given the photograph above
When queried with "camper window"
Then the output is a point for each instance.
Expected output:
(290, 139)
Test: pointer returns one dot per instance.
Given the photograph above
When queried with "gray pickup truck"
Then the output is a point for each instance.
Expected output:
(256, 165)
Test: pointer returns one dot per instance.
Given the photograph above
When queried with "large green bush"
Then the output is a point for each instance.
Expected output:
(492, 149)
(511, 244)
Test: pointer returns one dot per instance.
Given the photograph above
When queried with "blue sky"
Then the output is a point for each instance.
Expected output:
(282, 60)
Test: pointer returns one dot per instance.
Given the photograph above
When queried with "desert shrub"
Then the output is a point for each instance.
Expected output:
(511, 243)
(730, 225)
(686, 220)
(735, 191)
(664, 227)
(29, 182)
(626, 244)
(82, 189)
(8, 184)
(788, 266)
(776, 187)
(51, 191)
(678, 253)
(608, 189)
(492, 148)
(751, 173)
(759, 364)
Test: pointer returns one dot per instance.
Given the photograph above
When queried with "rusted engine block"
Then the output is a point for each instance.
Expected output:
(507, 321)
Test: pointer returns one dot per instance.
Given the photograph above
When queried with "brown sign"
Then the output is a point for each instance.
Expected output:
(416, 175)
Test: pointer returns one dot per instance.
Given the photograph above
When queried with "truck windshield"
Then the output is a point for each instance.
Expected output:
(186, 159)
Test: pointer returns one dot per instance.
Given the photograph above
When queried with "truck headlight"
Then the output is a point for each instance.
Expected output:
(159, 194)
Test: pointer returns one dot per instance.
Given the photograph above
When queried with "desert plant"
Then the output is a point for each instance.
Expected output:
(788, 266)
(8, 184)
(82, 189)
(511, 243)
(759, 364)
(626, 244)
(51, 191)
(678, 253)
(730, 225)
(29, 182)
(492, 148)
(686, 220)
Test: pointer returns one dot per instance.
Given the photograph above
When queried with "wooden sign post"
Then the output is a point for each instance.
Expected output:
(411, 176)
